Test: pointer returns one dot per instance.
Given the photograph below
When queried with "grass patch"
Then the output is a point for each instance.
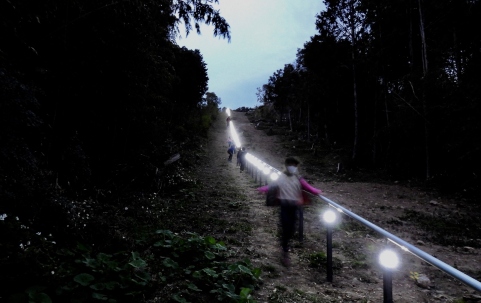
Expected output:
(270, 271)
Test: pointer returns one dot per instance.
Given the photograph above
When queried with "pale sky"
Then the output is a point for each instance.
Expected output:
(265, 36)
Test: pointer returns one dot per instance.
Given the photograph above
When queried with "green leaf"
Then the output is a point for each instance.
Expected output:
(245, 293)
(193, 287)
(245, 269)
(98, 286)
(139, 263)
(257, 272)
(145, 276)
(220, 246)
(99, 296)
(210, 240)
(179, 299)
(197, 274)
(229, 287)
(209, 255)
(210, 272)
(111, 285)
(170, 263)
(83, 279)
(93, 263)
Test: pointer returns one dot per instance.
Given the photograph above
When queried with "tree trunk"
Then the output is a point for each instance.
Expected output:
(354, 88)
(423, 96)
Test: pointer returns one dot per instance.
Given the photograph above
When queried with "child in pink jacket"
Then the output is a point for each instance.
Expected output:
(289, 193)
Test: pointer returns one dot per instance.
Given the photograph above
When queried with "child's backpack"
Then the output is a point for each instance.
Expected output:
(271, 197)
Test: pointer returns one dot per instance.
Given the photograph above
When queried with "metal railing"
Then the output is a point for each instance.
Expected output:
(405, 246)
(262, 171)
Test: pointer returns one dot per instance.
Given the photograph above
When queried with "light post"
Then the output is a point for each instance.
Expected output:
(329, 218)
(260, 166)
(389, 261)
(266, 170)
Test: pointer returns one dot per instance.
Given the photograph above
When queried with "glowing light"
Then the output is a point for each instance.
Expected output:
(329, 216)
(388, 259)
(234, 135)
(274, 176)
(227, 111)
(266, 170)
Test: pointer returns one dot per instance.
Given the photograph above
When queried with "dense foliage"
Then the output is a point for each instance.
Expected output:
(94, 98)
(392, 84)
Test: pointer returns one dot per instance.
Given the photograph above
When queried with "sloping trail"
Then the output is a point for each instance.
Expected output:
(359, 278)
(281, 283)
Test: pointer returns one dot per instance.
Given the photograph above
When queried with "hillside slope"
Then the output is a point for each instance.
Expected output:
(419, 217)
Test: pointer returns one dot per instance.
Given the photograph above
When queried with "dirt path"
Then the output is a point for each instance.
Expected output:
(357, 276)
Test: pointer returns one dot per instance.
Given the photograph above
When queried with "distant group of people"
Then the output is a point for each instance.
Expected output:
(241, 154)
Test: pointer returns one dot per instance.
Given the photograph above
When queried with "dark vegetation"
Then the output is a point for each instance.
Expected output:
(389, 87)
(95, 97)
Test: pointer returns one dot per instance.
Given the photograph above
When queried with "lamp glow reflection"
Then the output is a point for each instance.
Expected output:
(329, 216)
(388, 259)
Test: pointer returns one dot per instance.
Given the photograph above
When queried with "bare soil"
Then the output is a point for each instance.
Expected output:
(398, 208)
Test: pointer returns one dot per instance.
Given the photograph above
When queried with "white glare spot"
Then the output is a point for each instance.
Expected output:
(388, 259)
(274, 176)
(329, 216)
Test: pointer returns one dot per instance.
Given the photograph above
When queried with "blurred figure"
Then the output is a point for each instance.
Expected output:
(289, 193)
(241, 158)
(230, 151)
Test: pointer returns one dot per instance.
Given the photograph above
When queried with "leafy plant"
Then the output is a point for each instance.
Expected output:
(33, 294)
(317, 259)
(414, 275)
(198, 266)
(106, 277)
